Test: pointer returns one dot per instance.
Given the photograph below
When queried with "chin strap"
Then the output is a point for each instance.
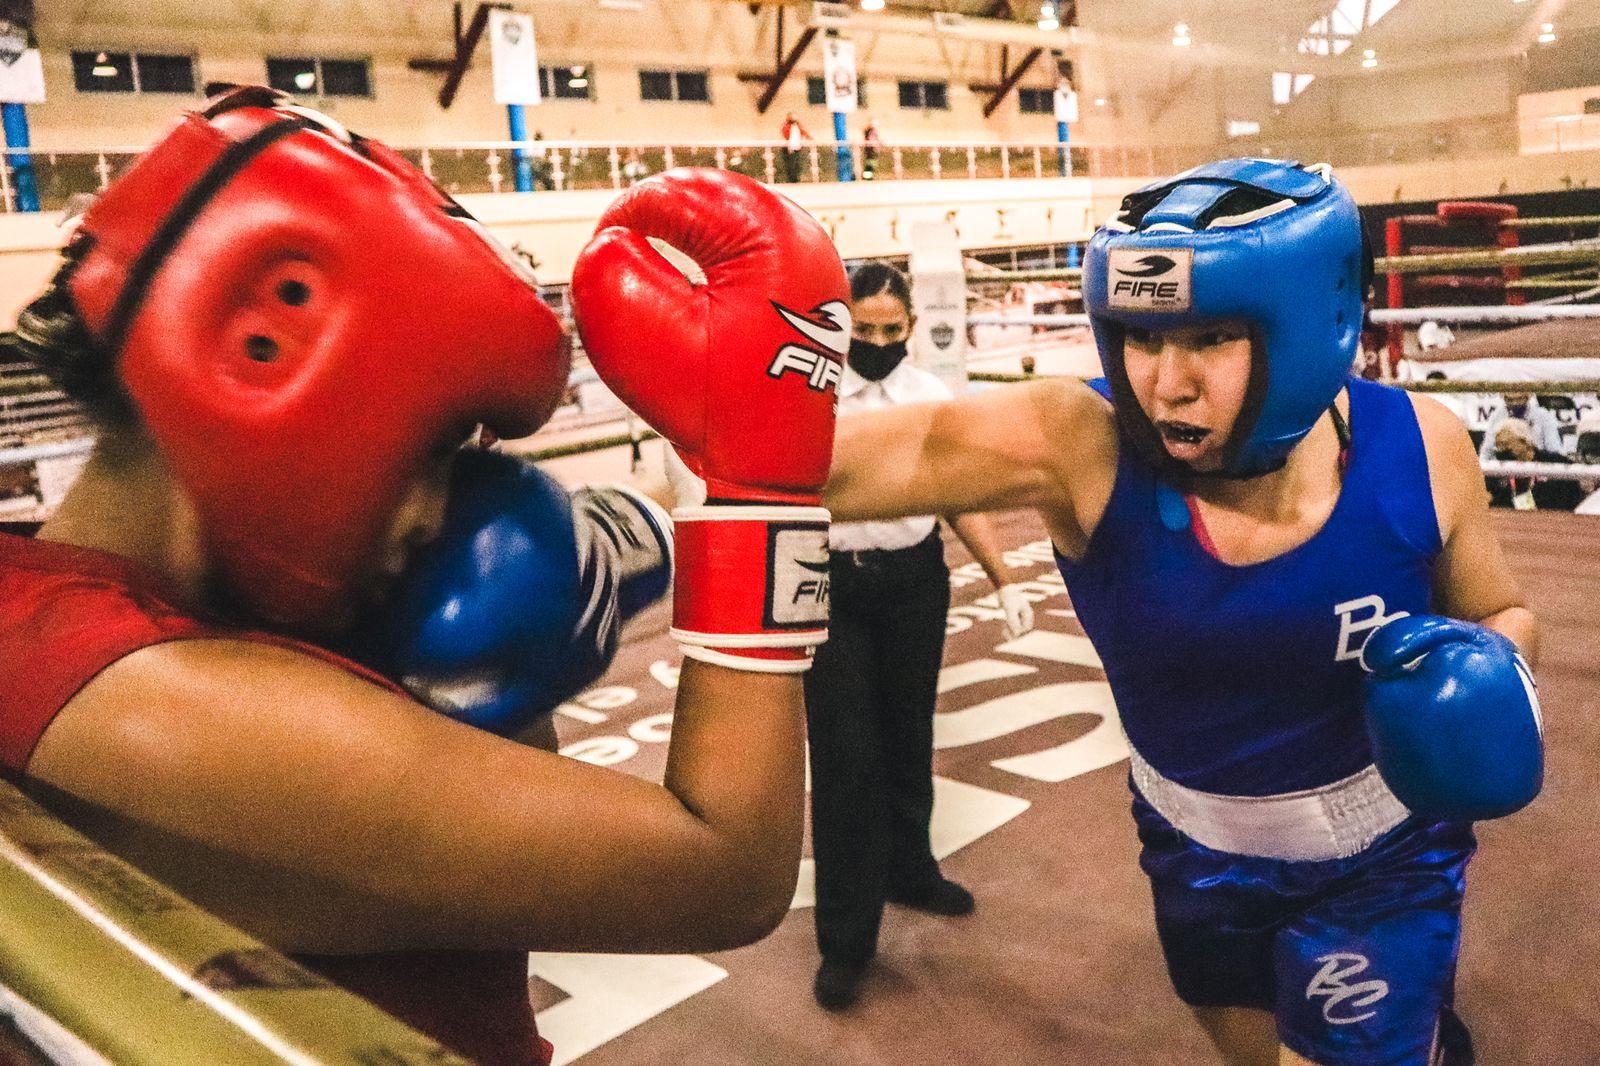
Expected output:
(1342, 428)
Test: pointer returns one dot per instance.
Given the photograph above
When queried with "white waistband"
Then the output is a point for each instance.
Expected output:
(1332, 822)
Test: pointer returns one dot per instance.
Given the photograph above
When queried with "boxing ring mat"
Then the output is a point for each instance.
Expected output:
(1060, 964)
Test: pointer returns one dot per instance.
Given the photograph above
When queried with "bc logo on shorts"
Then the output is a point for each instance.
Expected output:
(1344, 999)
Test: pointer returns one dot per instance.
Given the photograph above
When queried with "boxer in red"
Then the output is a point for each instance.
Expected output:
(285, 332)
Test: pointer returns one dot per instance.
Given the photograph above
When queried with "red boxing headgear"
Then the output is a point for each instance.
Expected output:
(299, 317)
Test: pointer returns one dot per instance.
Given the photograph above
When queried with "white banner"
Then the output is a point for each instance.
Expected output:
(939, 297)
(839, 74)
(514, 57)
(21, 72)
(1066, 103)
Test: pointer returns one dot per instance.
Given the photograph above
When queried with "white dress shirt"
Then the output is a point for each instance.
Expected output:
(905, 384)
(1546, 429)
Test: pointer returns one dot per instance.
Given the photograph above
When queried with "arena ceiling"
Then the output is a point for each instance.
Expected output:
(1418, 23)
(1225, 32)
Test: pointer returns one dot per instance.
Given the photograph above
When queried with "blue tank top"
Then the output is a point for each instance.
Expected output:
(1244, 680)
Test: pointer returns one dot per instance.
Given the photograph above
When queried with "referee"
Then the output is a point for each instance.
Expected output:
(870, 693)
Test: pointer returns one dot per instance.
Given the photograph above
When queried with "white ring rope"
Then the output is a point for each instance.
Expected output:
(1569, 471)
(32, 453)
(1380, 316)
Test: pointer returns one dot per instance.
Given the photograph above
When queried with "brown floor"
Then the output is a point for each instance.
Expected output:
(1060, 963)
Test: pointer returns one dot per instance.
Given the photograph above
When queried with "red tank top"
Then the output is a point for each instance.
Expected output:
(66, 613)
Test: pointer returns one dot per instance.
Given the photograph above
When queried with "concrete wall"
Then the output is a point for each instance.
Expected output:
(724, 38)
(1451, 179)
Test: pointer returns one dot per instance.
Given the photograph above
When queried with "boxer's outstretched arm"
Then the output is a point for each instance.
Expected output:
(325, 814)
(1015, 446)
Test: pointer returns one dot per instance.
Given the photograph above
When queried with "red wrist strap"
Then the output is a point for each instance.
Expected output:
(752, 584)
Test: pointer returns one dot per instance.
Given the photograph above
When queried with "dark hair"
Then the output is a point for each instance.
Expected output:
(875, 277)
(52, 336)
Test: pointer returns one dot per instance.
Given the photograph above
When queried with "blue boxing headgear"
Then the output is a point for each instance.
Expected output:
(1274, 244)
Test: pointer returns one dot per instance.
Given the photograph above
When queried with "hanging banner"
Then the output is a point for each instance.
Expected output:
(21, 71)
(939, 298)
(839, 74)
(514, 57)
(1066, 102)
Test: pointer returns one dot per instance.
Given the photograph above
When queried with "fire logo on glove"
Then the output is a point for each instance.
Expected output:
(828, 325)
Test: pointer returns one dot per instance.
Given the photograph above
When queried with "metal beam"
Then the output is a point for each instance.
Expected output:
(466, 43)
(1010, 80)
(786, 65)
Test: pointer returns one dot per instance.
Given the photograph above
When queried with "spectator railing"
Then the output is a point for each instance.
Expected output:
(494, 166)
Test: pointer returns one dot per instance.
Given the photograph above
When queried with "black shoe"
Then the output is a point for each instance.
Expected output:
(936, 897)
(836, 986)
(1455, 1042)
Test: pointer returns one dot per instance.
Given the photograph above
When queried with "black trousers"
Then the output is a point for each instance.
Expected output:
(869, 711)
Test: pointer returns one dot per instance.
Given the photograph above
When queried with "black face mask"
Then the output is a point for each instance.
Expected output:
(875, 361)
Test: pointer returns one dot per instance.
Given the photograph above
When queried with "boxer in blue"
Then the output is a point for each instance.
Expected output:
(1291, 577)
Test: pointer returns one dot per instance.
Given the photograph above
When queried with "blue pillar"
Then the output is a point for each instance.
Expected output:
(18, 158)
(1073, 257)
(841, 133)
(519, 132)
(1066, 153)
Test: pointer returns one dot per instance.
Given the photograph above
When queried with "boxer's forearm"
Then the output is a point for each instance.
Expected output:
(737, 765)
(1520, 626)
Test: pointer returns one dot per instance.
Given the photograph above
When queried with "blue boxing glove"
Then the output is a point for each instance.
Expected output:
(1454, 718)
(519, 602)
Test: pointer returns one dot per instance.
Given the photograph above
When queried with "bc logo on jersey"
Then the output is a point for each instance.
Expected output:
(1358, 618)
(1330, 981)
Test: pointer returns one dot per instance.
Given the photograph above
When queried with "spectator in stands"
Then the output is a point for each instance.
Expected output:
(1521, 405)
(1514, 441)
(634, 170)
(1588, 453)
(1588, 442)
(539, 164)
(873, 140)
(793, 135)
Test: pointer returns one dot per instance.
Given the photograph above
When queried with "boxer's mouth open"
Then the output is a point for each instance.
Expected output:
(1178, 432)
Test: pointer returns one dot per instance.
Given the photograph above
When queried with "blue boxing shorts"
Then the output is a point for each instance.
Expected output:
(1354, 957)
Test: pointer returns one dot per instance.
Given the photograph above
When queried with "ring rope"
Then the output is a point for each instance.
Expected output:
(1571, 471)
(1519, 313)
(1550, 221)
(1583, 251)
(1491, 387)
(143, 976)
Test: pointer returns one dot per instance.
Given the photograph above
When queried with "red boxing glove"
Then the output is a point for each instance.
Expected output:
(738, 368)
